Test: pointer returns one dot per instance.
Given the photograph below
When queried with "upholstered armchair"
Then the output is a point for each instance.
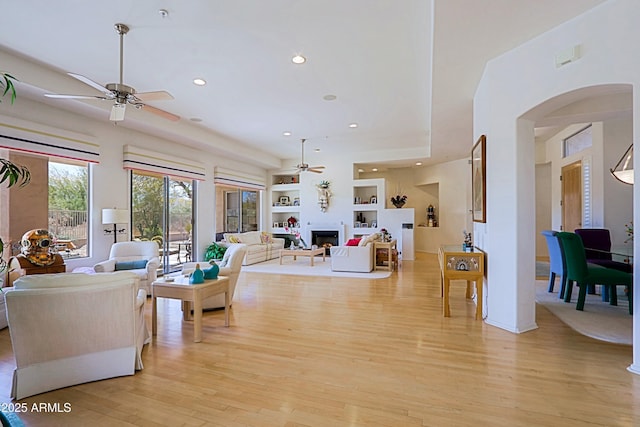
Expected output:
(230, 267)
(69, 329)
(141, 258)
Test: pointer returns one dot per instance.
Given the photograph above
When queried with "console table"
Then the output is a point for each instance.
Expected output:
(19, 265)
(456, 264)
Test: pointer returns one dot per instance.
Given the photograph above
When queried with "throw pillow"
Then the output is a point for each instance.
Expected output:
(266, 237)
(353, 242)
(234, 239)
(131, 265)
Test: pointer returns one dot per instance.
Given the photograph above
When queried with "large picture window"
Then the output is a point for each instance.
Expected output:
(56, 198)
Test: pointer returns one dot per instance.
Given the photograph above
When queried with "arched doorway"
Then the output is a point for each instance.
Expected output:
(606, 203)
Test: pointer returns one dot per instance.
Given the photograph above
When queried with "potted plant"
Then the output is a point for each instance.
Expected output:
(214, 252)
(10, 173)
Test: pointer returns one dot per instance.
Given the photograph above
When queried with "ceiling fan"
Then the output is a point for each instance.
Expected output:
(120, 93)
(304, 167)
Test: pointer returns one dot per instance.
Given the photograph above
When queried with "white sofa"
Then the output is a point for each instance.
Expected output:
(260, 245)
(122, 254)
(357, 259)
(230, 267)
(72, 328)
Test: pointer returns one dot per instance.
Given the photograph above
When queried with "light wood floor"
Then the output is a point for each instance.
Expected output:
(313, 351)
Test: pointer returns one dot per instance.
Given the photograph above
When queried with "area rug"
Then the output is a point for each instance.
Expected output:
(302, 267)
(599, 320)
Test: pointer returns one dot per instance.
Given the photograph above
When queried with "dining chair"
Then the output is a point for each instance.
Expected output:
(597, 243)
(579, 271)
(556, 262)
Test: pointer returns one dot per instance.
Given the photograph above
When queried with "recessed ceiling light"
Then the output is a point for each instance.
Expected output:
(199, 82)
(298, 59)
(329, 97)
(353, 125)
(375, 169)
(360, 170)
(286, 133)
(317, 150)
(418, 163)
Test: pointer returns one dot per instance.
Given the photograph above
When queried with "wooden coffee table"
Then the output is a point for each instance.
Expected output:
(179, 288)
(311, 253)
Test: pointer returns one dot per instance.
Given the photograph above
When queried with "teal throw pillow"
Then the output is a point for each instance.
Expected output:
(131, 265)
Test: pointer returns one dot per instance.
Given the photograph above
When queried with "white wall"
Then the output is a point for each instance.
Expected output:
(543, 207)
(512, 86)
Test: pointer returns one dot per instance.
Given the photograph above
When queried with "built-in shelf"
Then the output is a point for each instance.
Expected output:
(285, 200)
(367, 204)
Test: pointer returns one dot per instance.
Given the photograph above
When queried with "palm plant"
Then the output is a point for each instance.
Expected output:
(10, 173)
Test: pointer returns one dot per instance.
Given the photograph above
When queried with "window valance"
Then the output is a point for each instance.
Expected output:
(238, 179)
(137, 158)
(20, 135)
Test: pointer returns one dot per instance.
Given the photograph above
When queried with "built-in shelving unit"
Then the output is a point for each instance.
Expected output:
(368, 201)
(285, 200)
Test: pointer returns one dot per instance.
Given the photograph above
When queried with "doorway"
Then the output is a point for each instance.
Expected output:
(162, 211)
(572, 205)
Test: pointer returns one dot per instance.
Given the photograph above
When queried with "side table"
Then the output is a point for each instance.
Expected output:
(389, 247)
(179, 288)
(455, 264)
(19, 265)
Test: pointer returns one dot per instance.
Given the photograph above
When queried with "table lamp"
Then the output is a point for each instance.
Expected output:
(115, 216)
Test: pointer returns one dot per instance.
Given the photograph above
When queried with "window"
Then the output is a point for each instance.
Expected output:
(69, 207)
(56, 198)
(240, 209)
(578, 142)
(162, 211)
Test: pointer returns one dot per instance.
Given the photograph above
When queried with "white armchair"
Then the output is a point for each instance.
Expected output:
(69, 329)
(230, 267)
(141, 258)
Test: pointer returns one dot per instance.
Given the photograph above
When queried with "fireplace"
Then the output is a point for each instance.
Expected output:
(325, 238)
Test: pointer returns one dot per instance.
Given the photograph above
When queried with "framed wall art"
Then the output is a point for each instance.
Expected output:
(479, 180)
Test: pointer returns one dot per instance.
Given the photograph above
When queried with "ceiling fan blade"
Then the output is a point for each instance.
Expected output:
(314, 170)
(164, 114)
(316, 167)
(160, 95)
(61, 96)
(93, 84)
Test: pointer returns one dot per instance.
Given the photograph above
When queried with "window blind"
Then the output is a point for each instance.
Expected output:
(238, 179)
(137, 158)
(20, 135)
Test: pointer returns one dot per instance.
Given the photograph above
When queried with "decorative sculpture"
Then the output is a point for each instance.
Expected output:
(39, 247)
(324, 194)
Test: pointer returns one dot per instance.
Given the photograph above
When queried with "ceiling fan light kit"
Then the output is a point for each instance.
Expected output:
(121, 93)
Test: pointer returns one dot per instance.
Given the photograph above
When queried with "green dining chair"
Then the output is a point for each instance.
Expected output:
(584, 275)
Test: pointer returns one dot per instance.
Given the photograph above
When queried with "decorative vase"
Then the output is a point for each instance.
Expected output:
(197, 276)
(398, 204)
(212, 272)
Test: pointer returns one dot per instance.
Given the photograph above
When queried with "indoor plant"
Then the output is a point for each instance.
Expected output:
(214, 251)
(10, 173)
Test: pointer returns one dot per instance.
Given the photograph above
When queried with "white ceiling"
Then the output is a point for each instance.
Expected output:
(407, 84)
